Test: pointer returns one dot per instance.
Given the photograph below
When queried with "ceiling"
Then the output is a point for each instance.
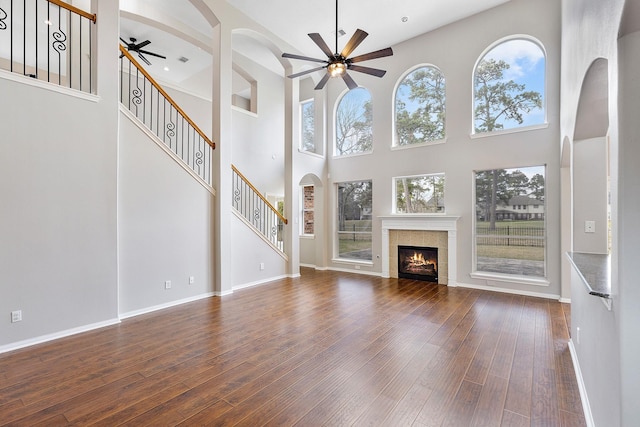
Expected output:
(388, 22)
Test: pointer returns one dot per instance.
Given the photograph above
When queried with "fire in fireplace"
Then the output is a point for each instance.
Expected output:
(418, 263)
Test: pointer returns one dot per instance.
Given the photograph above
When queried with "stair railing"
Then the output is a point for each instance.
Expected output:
(153, 106)
(257, 210)
(48, 40)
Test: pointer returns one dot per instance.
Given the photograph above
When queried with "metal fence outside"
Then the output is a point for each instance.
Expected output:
(510, 236)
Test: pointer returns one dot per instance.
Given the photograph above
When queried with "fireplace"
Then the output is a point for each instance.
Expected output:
(418, 263)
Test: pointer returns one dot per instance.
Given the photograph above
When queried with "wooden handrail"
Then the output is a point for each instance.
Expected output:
(255, 190)
(91, 16)
(126, 53)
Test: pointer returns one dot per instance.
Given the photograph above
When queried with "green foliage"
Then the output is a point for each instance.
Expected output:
(497, 100)
(420, 107)
(498, 186)
(421, 194)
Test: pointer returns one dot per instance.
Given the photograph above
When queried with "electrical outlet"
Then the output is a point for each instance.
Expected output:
(357, 267)
(262, 266)
(192, 280)
(589, 226)
(167, 284)
(16, 316)
(578, 335)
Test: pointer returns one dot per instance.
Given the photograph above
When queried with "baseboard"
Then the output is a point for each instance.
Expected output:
(565, 300)
(258, 282)
(586, 407)
(348, 270)
(57, 335)
(508, 291)
(165, 305)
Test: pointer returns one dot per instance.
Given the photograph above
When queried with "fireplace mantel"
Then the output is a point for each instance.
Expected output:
(425, 223)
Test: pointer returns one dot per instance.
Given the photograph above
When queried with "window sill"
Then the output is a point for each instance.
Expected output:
(310, 153)
(509, 131)
(523, 280)
(308, 236)
(418, 145)
(351, 261)
(346, 156)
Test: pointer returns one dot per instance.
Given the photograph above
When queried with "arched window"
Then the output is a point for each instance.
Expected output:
(508, 86)
(420, 107)
(354, 123)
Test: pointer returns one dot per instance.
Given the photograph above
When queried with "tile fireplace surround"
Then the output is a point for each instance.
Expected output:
(412, 228)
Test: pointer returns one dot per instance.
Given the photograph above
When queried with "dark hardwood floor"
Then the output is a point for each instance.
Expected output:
(325, 349)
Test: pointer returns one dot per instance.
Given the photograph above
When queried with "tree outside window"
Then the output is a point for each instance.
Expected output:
(307, 117)
(355, 219)
(419, 194)
(420, 107)
(354, 123)
(509, 87)
(510, 221)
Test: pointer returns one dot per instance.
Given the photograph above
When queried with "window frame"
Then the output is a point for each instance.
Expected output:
(394, 206)
(337, 257)
(394, 139)
(335, 124)
(302, 104)
(502, 276)
(521, 128)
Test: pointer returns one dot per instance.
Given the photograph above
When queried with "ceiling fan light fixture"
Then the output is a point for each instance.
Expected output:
(337, 69)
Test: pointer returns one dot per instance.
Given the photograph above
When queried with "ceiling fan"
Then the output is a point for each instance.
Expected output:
(337, 64)
(132, 46)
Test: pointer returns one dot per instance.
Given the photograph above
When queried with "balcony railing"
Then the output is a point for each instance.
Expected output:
(146, 100)
(48, 40)
(257, 210)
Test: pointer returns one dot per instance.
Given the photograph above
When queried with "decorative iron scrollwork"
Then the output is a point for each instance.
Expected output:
(171, 130)
(3, 16)
(59, 41)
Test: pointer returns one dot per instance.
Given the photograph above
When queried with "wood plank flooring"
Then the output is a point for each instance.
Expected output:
(328, 348)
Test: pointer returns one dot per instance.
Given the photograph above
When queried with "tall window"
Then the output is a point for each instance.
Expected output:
(509, 87)
(510, 232)
(419, 194)
(354, 220)
(354, 129)
(308, 210)
(420, 107)
(307, 118)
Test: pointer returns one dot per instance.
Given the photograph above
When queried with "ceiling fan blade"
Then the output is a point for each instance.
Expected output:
(302, 73)
(323, 82)
(317, 38)
(140, 45)
(349, 81)
(372, 55)
(368, 70)
(146, 52)
(304, 58)
(145, 60)
(353, 43)
(126, 43)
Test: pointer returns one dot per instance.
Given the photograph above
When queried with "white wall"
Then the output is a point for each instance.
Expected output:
(165, 226)
(248, 252)
(454, 49)
(58, 165)
(590, 165)
(258, 139)
(592, 31)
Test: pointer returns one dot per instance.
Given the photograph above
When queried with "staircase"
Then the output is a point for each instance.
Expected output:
(60, 52)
